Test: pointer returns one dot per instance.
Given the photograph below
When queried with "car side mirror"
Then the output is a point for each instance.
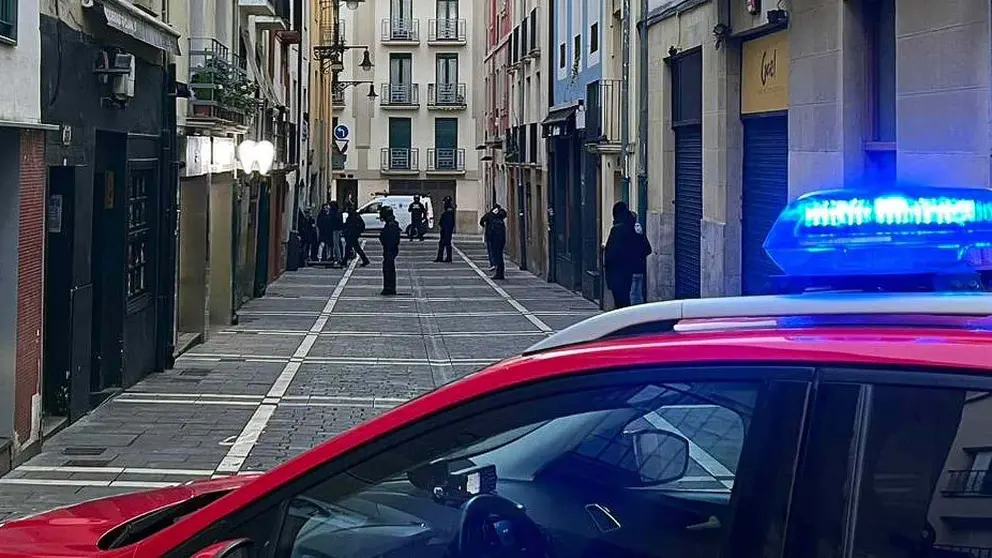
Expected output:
(661, 456)
(238, 548)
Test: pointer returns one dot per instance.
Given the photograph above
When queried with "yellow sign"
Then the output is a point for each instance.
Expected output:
(765, 74)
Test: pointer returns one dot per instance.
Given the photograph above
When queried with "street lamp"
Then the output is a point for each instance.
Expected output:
(256, 156)
(352, 4)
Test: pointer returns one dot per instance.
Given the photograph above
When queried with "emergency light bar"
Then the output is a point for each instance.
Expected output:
(911, 230)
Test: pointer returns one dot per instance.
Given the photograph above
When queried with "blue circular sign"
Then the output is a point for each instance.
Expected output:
(341, 132)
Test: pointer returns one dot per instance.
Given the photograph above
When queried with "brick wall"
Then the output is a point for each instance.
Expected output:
(30, 281)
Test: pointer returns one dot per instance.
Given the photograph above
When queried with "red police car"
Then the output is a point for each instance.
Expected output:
(851, 416)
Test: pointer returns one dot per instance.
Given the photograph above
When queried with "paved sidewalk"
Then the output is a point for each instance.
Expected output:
(321, 352)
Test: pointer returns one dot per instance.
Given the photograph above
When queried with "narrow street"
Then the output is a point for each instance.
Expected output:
(321, 352)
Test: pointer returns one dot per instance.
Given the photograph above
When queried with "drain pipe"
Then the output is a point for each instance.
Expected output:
(625, 105)
(642, 116)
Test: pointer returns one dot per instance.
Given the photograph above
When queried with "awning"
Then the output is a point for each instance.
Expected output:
(265, 84)
(128, 19)
(559, 122)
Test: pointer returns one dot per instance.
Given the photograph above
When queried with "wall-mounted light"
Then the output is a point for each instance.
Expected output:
(366, 63)
(352, 4)
(372, 95)
(256, 156)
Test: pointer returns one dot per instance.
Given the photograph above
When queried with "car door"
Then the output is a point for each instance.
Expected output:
(370, 215)
(897, 464)
(674, 462)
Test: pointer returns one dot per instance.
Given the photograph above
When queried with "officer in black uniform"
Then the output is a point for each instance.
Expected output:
(447, 225)
(389, 237)
(418, 218)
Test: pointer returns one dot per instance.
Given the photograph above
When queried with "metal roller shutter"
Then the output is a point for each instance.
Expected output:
(688, 209)
(766, 192)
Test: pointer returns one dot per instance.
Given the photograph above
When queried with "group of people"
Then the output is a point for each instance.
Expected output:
(331, 237)
(626, 257)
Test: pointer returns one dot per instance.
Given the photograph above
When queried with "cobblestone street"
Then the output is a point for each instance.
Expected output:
(321, 352)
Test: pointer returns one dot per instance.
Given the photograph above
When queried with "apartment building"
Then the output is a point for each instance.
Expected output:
(499, 24)
(22, 228)
(406, 123)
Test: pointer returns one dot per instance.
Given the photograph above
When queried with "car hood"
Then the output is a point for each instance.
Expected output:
(75, 530)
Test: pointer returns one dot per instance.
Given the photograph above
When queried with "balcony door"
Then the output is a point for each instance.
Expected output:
(399, 143)
(447, 79)
(447, 10)
(446, 143)
(400, 10)
(400, 78)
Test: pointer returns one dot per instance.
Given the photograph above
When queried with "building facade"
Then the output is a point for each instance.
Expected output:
(22, 230)
(753, 104)
(499, 25)
(417, 133)
(574, 244)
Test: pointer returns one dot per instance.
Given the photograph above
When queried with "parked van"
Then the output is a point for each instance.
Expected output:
(401, 208)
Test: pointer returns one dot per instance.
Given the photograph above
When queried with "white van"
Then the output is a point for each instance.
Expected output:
(401, 208)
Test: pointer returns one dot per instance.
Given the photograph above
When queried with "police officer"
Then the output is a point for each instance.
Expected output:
(389, 237)
(496, 225)
(447, 225)
(418, 217)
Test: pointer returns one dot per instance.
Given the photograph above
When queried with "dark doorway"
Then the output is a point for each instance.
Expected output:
(347, 193)
(766, 192)
(109, 185)
(68, 298)
(687, 120)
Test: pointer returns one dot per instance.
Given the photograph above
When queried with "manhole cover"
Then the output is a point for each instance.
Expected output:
(83, 451)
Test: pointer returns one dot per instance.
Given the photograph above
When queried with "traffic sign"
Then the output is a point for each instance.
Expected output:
(341, 132)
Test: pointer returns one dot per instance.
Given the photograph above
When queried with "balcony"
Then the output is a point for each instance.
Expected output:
(222, 94)
(446, 96)
(257, 8)
(969, 483)
(337, 98)
(401, 31)
(603, 118)
(400, 96)
(447, 32)
(445, 160)
(399, 160)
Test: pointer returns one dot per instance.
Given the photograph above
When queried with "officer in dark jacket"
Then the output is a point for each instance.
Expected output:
(308, 236)
(623, 252)
(447, 225)
(496, 227)
(418, 218)
(389, 237)
(325, 226)
(354, 226)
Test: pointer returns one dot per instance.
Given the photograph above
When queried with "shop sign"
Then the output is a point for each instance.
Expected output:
(765, 74)
(222, 157)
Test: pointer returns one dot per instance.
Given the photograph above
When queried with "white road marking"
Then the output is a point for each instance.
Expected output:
(115, 470)
(249, 436)
(502, 292)
(80, 482)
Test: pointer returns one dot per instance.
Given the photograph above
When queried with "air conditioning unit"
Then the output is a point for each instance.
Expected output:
(123, 82)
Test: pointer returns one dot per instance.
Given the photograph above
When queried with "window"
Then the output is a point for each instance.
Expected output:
(616, 471)
(561, 55)
(916, 459)
(138, 233)
(372, 208)
(447, 9)
(577, 50)
(594, 38)
(8, 20)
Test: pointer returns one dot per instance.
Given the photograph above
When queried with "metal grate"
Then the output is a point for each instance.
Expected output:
(198, 372)
(82, 451)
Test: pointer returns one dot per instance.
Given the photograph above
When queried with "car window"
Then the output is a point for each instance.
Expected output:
(372, 208)
(645, 470)
(901, 472)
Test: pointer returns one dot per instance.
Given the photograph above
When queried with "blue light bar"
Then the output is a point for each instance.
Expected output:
(911, 230)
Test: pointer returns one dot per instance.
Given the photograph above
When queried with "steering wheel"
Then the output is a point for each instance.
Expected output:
(494, 527)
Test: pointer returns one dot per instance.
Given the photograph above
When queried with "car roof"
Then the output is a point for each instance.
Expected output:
(665, 316)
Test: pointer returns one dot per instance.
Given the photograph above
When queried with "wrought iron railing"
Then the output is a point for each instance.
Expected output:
(399, 159)
(400, 94)
(401, 29)
(969, 483)
(447, 30)
(446, 94)
(220, 86)
(446, 159)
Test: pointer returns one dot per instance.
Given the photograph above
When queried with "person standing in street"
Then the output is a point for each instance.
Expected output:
(324, 236)
(354, 226)
(337, 234)
(640, 263)
(308, 237)
(418, 217)
(389, 237)
(484, 223)
(497, 239)
(621, 255)
(447, 225)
